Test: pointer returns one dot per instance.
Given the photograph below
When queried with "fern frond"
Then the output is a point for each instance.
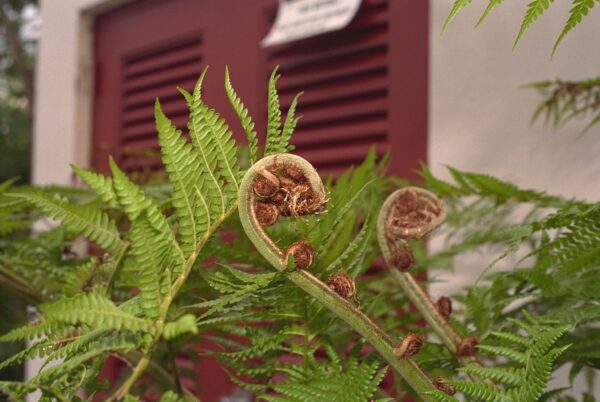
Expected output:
(101, 184)
(244, 116)
(183, 166)
(85, 219)
(481, 391)
(210, 184)
(273, 142)
(80, 277)
(185, 324)
(509, 353)
(135, 202)
(505, 375)
(491, 5)
(32, 331)
(534, 10)
(289, 126)
(580, 9)
(547, 338)
(170, 396)
(94, 310)
(456, 7)
(154, 263)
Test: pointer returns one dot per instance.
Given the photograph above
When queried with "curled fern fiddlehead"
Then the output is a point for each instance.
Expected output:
(412, 213)
(307, 196)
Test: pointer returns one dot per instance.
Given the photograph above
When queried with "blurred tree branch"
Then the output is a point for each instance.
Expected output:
(14, 46)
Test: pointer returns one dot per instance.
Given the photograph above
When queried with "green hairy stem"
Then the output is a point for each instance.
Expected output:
(344, 309)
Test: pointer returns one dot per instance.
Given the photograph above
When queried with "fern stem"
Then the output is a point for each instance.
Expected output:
(344, 309)
(415, 293)
(115, 268)
(135, 375)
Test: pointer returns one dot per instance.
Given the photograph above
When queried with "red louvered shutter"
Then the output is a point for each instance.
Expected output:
(364, 86)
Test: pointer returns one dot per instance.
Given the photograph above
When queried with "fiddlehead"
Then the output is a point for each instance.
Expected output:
(412, 213)
(291, 186)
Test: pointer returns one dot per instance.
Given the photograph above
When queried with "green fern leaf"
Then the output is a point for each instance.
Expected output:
(85, 219)
(170, 396)
(456, 7)
(288, 127)
(135, 202)
(185, 324)
(154, 262)
(101, 184)
(273, 116)
(580, 9)
(244, 116)
(37, 329)
(491, 5)
(481, 391)
(95, 310)
(80, 277)
(210, 184)
(505, 375)
(509, 353)
(546, 339)
(441, 396)
(534, 10)
(183, 166)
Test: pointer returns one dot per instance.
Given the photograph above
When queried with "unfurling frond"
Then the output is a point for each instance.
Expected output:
(244, 116)
(85, 219)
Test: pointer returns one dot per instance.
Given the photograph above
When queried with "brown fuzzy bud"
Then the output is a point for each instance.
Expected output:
(265, 184)
(266, 214)
(441, 383)
(467, 347)
(342, 284)
(414, 214)
(444, 307)
(293, 172)
(303, 254)
(402, 258)
(410, 345)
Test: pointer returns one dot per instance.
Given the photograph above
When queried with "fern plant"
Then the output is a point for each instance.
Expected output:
(290, 295)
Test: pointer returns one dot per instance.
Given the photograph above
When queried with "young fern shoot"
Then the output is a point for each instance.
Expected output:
(412, 213)
(306, 195)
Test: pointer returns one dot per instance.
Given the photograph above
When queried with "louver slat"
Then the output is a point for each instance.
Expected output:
(345, 78)
(148, 74)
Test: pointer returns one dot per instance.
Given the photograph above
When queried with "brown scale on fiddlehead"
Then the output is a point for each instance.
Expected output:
(444, 306)
(410, 345)
(303, 254)
(342, 284)
(441, 383)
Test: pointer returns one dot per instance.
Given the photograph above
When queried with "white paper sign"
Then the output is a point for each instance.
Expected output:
(298, 19)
